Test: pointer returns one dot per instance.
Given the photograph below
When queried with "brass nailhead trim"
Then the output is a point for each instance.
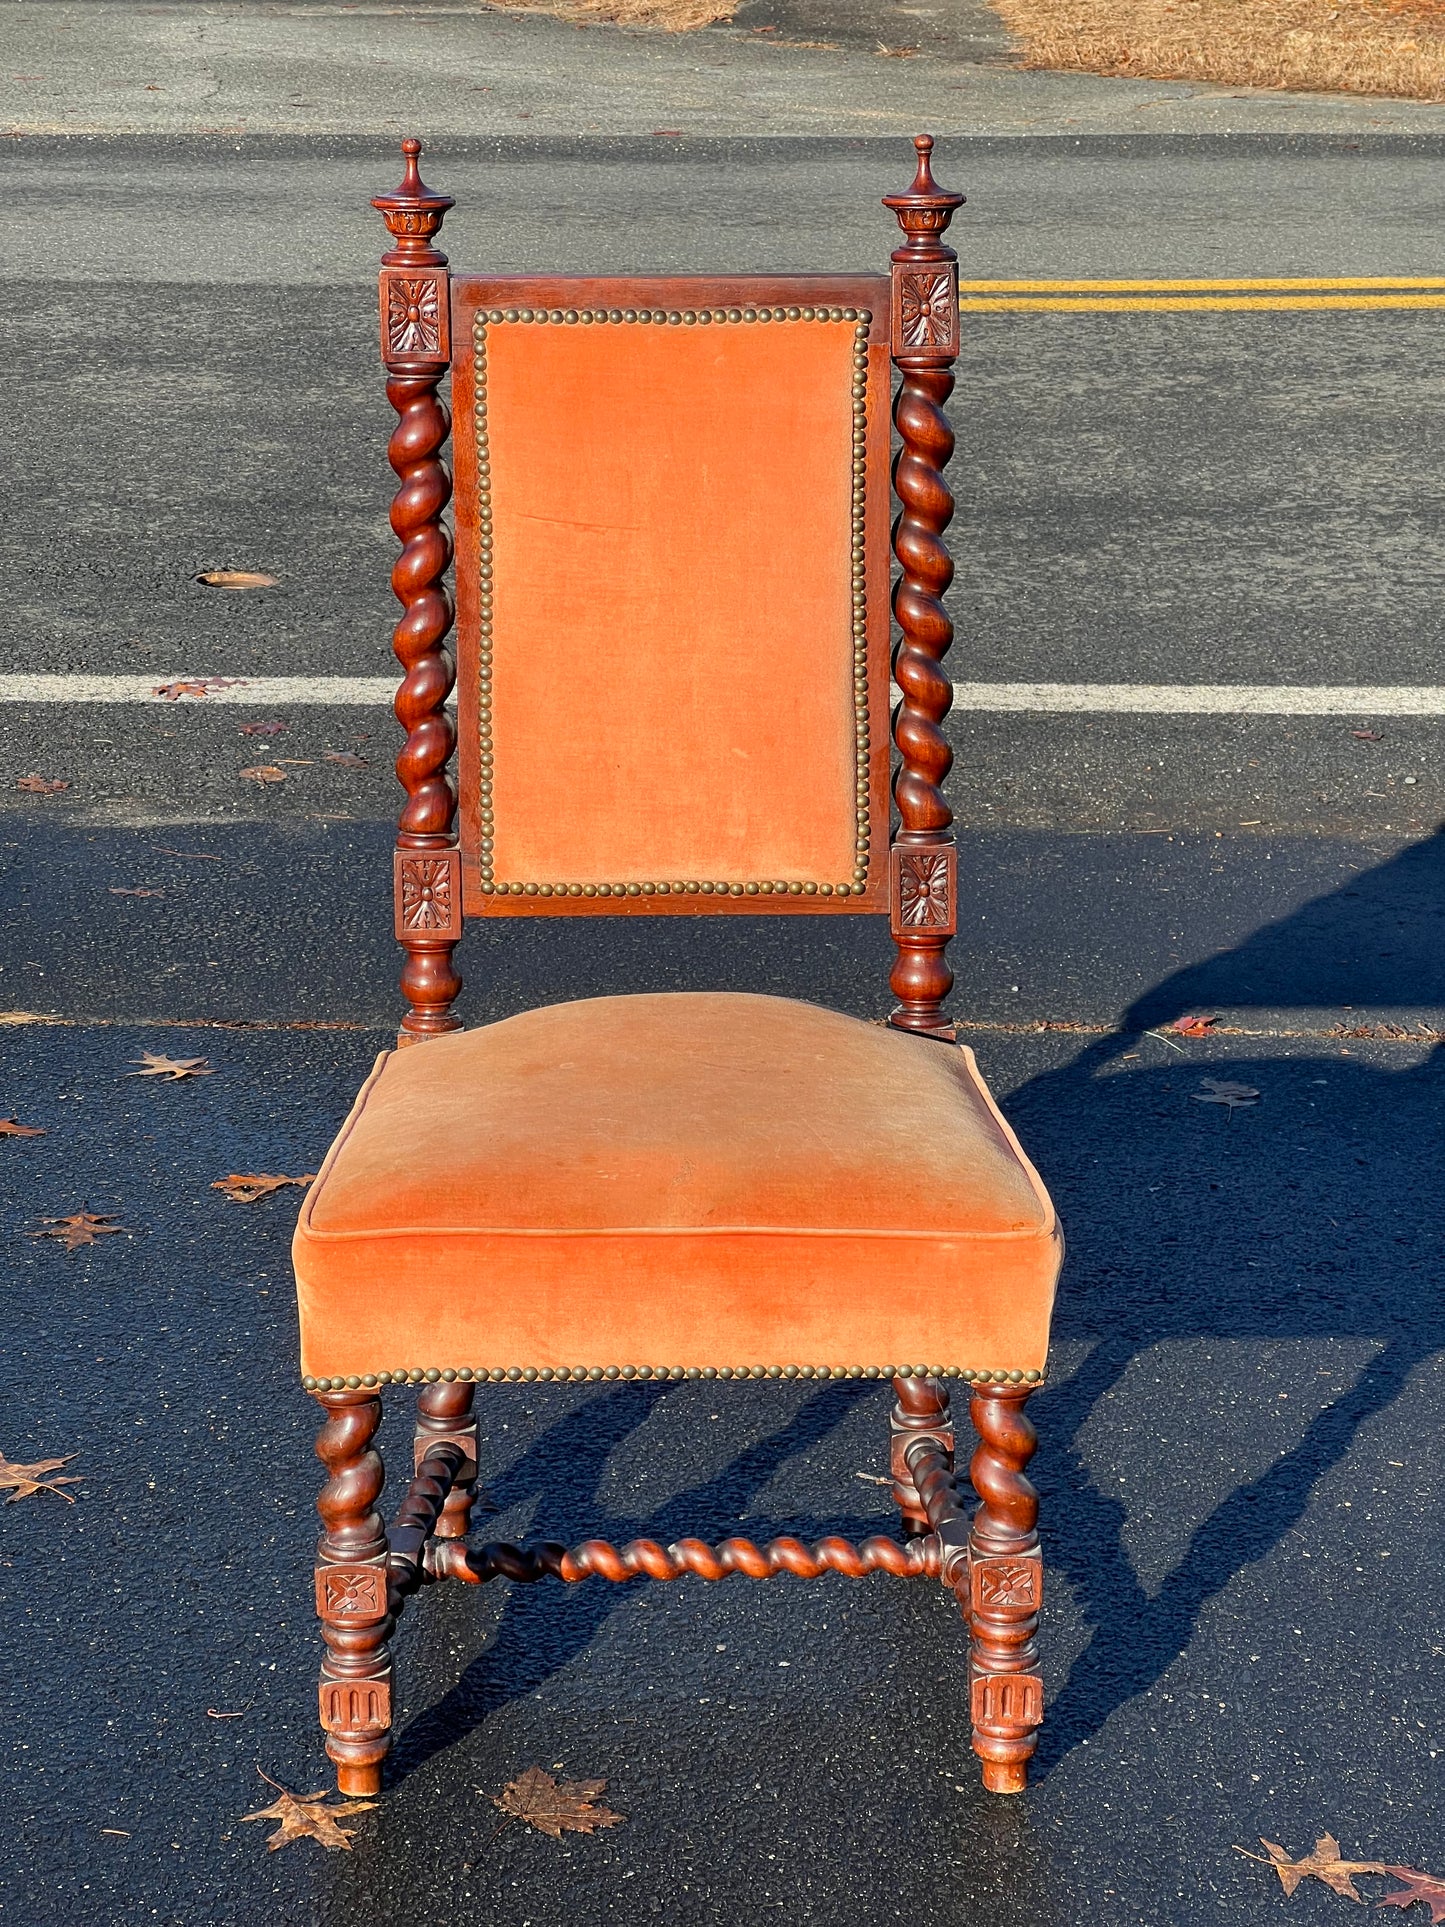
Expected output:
(529, 1374)
(861, 319)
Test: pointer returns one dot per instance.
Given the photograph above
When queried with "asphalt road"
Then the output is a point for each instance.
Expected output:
(1243, 1628)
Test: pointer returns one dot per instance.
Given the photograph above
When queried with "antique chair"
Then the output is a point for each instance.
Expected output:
(673, 633)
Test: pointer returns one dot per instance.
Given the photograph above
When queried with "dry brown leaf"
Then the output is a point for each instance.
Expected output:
(116, 890)
(1194, 1025)
(236, 579)
(156, 1064)
(1367, 736)
(1418, 1886)
(538, 1799)
(264, 773)
(305, 1816)
(41, 785)
(29, 1479)
(9, 1128)
(1323, 1863)
(246, 1187)
(347, 758)
(83, 1229)
(194, 686)
(1233, 1097)
(898, 53)
(273, 727)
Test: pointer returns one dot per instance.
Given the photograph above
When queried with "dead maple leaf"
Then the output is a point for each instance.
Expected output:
(1233, 1097)
(194, 686)
(116, 890)
(29, 1479)
(83, 1229)
(41, 785)
(273, 727)
(156, 1064)
(236, 579)
(1323, 1863)
(1418, 1886)
(1194, 1025)
(346, 758)
(538, 1799)
(247, 1187)
(307, 1816)
(9, 1128)
(263, 773)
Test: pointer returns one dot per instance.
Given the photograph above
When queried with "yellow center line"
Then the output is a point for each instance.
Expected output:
(1194, 304)
(1278, 285)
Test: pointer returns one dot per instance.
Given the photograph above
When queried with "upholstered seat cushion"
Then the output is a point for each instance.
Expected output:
(674, 1182)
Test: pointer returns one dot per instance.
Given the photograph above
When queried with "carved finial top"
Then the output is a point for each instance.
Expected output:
(924, 210)
(414, 214)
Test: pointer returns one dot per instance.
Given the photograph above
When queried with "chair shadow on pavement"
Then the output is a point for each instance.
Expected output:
(1195, 1234)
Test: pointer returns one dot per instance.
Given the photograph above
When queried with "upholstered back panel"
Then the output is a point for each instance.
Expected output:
(672, 575)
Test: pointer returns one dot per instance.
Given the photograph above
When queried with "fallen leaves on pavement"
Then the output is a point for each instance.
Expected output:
(1325, 1864)
(156, 1064)
(1367, 735)
(82, 1229)
(194, 686)
(116, 890)
(346, 758)
(263, 773)
(247, 1186)
(538, 1799)
(273, 727)
(236, 579)
(41, 785)
(1194, 1025)
(1233, 1097)
(307, 1816)
(29, 1479)
(9, 1128)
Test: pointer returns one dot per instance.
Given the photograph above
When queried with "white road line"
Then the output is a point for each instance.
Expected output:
(1057, 698)
(1203, 699)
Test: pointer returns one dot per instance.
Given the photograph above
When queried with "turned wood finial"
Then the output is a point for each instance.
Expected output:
(414, 215)
(924, 210)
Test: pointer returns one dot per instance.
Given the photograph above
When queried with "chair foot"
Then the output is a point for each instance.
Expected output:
(920, 1410)
(351, 1592)
(1005, 1588)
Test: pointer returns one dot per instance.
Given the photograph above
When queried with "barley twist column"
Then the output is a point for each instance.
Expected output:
(351, 1593)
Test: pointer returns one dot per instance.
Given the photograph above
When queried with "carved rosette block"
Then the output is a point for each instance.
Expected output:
(925, 344)
(416, 347)
(351, 1593)
(428, 894)
(444, 1415)
(924, 894)
(1005, 1582)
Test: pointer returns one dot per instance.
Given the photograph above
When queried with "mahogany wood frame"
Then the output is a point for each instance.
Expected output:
(366, 1570)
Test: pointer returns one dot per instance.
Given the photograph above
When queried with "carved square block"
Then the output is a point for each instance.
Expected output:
(924, 889)
(1007, 1700)
(925, 308)
(353, 1594)
(428, 888)
(355, 1706)
(415, 316)
(1005, 1585)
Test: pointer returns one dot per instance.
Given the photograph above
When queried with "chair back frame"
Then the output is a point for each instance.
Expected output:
(439, 875)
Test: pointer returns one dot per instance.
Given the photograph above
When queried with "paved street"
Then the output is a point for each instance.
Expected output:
(1241, 1501)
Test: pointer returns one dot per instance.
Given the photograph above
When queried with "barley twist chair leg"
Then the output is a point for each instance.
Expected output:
(351, 1593)
(1005, 1590)
(444, 1412)
(920, 1410)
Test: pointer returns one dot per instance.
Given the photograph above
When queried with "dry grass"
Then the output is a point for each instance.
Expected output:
(673, 16)
(1391, 47)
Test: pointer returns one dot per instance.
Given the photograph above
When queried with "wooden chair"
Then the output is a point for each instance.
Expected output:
(672, 546)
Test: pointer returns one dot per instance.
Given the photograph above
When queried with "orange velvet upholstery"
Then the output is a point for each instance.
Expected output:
(670, 689)
(676, 1181)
